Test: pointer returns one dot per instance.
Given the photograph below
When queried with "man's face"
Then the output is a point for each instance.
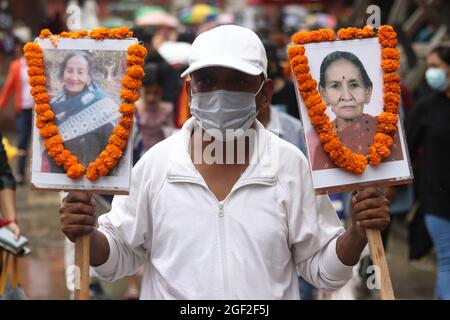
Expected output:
(344, 90)
(221, 78)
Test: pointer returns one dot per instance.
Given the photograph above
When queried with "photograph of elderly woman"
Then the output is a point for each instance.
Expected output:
(84, 87)
(346, 88)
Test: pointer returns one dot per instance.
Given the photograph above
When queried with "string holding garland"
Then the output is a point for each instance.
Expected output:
(342, 156)
(117, 141)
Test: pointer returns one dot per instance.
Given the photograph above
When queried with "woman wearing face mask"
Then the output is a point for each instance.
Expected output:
(84, 114)
(346, 87)
(428, 130)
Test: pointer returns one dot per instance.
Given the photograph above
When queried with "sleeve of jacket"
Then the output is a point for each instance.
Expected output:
(313, 230)
(128, 229)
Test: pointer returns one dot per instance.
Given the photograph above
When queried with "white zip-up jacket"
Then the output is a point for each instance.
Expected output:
(252, 245)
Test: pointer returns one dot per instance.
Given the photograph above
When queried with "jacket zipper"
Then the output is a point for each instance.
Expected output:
(223, 252)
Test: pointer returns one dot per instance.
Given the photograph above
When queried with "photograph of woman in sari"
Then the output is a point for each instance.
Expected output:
(84, 113)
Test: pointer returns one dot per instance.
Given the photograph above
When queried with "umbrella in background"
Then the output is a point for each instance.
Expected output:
(154, 16)
(199, 13)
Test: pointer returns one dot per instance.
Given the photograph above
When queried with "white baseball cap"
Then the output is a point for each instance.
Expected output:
(228, 46)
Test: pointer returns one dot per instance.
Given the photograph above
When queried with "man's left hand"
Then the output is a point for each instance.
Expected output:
(369, 209)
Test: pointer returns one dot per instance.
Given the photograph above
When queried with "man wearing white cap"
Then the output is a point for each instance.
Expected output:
(215, 230)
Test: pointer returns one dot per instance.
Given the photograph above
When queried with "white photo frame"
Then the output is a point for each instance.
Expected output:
(83, 117)
(330, 178)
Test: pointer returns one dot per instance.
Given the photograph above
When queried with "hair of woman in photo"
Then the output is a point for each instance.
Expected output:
(348, 56)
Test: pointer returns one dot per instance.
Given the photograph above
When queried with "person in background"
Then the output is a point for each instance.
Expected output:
(427, 128)
(284, 97)
(17, 84)
(7, 194)
(155, 115)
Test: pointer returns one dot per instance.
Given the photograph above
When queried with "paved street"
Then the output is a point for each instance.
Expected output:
(42, 273)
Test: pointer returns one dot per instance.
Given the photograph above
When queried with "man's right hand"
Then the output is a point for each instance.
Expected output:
(77, 214)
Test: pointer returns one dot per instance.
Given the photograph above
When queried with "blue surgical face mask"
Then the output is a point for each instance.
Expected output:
(437, 79)
(224, 110)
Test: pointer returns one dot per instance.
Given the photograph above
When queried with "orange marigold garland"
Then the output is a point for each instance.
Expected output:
(108, 159)
(342, 156)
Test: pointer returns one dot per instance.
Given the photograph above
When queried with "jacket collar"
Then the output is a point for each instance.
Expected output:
(262, 168)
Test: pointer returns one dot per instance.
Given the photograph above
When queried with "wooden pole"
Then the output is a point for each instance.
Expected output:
(379, 259)
(82, 270)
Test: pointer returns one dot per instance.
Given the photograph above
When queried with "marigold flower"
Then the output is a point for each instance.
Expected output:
(37, 90)
(61, 157)
(135, 71)
(127, 109)
(37, 81)
(121, 132)
(110, 162)
(53, 141)
(32, 47)
(301, 69)
(387, 128)
(48, 131)
(55, 150)
(299, 60)
(390, 65)
(126, 122)
(137, 50)
(390, 53)
(118, 142)
(327, 136)
(387, 37)
(75, 171)
(45, 33)
(367, 32)
(129, 95)
(308, 85)
(131, 83)
(42, 107)
(42, 98)
(35, 71)
(113, 151)
(317, 109)
(46, 116)
(387, 117)
(391, 78)
(301, 37)
(135, 60)
(92, 173)
(332, 144)
(295, 51)
(392, 87)
(303, 77)
(35, 62)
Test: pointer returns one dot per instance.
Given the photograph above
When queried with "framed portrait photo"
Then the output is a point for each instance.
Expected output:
(82, 137)
(349, 101)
